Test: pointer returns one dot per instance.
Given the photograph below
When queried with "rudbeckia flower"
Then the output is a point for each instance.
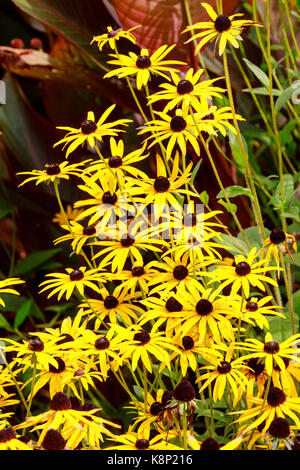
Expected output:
(112, 36)
(153, 414)
(223, 28)
(137, 278)
(256, 311)
(179, 129)
(5, 287)
(54, 172)
(10, 441)
(79, 235)
(91, 131)
(278, 241)
(287, 378)
(271, 352)
(142, 65)
(65, 284)
(245, 273)
(187, 92)
(71, 214)
(141, 441)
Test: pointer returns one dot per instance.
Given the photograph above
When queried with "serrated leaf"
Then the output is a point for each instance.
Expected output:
(22, 313)
(262, 77)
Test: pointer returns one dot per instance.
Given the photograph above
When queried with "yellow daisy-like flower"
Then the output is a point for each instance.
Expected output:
(5, 287)
(142, 65)
(153, 414)
(277, 242)
(54, 172)
(140, 344)
(10, 441)
(65, 284)
(112, 36)
(116, 305)
(257, 375)
(137, 278)
(160, 191)
(211, 444)
(224, 372)
(179, 129)
(141, 441)
(272, 352)
(256, 310)
(79, 235)
(277, 404)
(287, 378)
(91, 131)
(223, 28)
(244, 274)
(72, 214)
(187, 92)
(218, 119)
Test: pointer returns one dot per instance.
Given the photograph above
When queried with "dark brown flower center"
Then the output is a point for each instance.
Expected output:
(251, 306)
(76, 275)
(60, 401)
(143, 62)
(243, 268)
(109, 198)
(204, 307)
(142, 337)
(35, 345)
(222, 23)
(271, 347)
(142, 444)
(286, 363)
(279, 428)
(137, 271)
(127, 241)
(224, 367)
(172, 305)
(161, 184)
(210, 444)
(178, 124)
(102, 343)
(89, 230)
(53, 440)
(52, 169)
(180, 272)
(184, 391)
(184, 87)
(277, 236)
(88, 127)
(60, 368)
(156, 408)
(166, 397)
(114, 161)
(7, 434)
(110, 302)
(276, 396)
(187, 343)
(257, 366)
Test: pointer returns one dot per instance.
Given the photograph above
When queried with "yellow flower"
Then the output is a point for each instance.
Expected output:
(91, 131)
(65, 284)
(187, 92)
(71, 214)
(256, 310)
(112, 36)
(10, 441)
(79, 235)
(142, 65)
(5, 287)
(278, 242)
(141, 441)
(223, 28)
(54, 172)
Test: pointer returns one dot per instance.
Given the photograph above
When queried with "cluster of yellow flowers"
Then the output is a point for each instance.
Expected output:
(154, 297)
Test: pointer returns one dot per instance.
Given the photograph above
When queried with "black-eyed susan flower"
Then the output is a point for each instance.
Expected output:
(277, 404)
(5, 287)
(54, 172)
(287, 378)
(256, 375)
(225, 372)
(212, 444)
(112, 36)
(79, 234)
(126, 244)
(179, 130)
(187, 92)
(271, 352)
(223, 28)
(218, 119)
(70, 213)
(116, 305)
(141, 441)
(136, 279)
(278, 241)
(119, 164)
(141, 66)
(83, 379)
(9, 440)
(244, 273)
(104, 350)
(141, 345)
(160, 192)
(74, 279)
(152, 415)
(91, 131)
(256, 310)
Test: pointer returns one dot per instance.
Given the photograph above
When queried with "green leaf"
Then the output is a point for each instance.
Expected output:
(4, 323)
(235, 245)
(232, 208)
(204, 197)
(234, 191)
(195, 171)
(262, 91)
(262, 77)
(34, 261)
(253, 236)
(22, 313)
(286, 95)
